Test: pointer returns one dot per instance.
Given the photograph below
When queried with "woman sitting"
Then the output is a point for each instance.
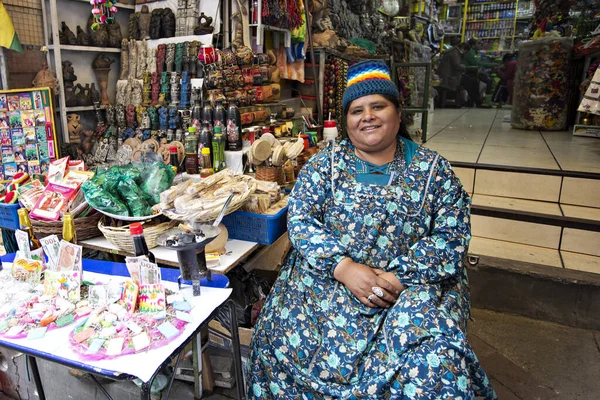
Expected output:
(372, 302)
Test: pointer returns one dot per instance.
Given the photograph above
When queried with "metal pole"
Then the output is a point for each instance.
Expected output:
(36, 377)
(3, 69)
(173, 376)
(237, 356)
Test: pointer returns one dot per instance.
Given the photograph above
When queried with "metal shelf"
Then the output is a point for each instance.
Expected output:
(70, 47)
(80, 108)
(489, 20)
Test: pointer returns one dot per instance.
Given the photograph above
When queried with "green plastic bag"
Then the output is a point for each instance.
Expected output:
(157, 177)
(102, 200)
(134, 198)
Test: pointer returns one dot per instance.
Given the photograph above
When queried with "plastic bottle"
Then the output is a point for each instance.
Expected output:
(206, 164)
(173, 159)
(207, 114)
(330, 132)
(25, 225)
(68, 232)
(234, 128)
(191, 151)
(218, 147)
(204, 140)
(220, 115)
(140, 248)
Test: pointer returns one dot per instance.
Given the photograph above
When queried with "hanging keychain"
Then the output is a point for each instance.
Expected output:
(104, 12)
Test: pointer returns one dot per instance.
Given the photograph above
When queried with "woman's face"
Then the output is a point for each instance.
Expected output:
(372, 123)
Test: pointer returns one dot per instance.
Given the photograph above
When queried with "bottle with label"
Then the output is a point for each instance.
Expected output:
(220, 115)
(234, 128)
(68, 233)
(330, 132)
(204, 140)
(174, 159)
(191, 151)
(206, 164)
(140, 248)
(218, 148)
(25, 225)
(197, 115)
(207, 114)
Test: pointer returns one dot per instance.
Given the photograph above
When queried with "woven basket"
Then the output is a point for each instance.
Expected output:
(121, 238)
(270, 174)
(85, 227)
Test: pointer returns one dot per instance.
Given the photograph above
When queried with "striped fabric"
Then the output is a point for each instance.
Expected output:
(368, 71)
(366, 78)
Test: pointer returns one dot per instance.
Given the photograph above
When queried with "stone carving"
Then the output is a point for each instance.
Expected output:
(99, 36)
(185, 65)
(111, 118)
(132, 59)
(161, 53)
(101, 67)
(147, 90)
(155, 23)
(138, 115)
(167, 23)
(174, 82)
(164, 97)
(136, 93)
(162, 118)
(82, 38)
(178, 57)
(114, 34)
(153, 115)
(68, 78)
(145, 120)
(193, 57)
(155, 88)
(102, 61)
(142, 49)
(130, 116)
(204, 25)
(185, 90)
(173, 118)
(144, 22)
(121, 96)
(74, 128)
(124, 59)
(170, 57)
(133, 27)
(82, 95)
(66, 35)
(151, 61)
(45, 78)
(94, 94)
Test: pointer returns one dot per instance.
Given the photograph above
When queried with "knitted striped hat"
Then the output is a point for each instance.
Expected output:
(368, 77)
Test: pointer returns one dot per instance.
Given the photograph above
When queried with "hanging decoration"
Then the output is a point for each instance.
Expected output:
(104, 12)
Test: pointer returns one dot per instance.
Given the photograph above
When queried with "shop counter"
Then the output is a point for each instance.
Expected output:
(55, 347)
(237, 251)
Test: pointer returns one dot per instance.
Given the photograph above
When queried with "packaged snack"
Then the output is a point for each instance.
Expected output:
(75, 178)
(29, 193)
(76, 165)
(103, 200)
(134, 198)
(55, 200)
(58, 170)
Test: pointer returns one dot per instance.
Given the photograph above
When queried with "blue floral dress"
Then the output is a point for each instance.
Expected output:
(315, 340)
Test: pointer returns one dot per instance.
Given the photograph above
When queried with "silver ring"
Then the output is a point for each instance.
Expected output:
(370, 297)
(377, 291)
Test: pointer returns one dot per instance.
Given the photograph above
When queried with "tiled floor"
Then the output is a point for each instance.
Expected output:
(481, 136)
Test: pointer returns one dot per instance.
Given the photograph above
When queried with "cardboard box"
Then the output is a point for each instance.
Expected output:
(220, 337)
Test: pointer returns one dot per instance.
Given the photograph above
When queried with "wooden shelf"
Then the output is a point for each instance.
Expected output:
(70, 47)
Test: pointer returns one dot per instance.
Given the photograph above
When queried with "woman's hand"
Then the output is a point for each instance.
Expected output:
(360, 280)
(391, 278)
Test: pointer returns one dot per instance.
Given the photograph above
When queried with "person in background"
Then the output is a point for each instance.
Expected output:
(372, 302)
(450, 68)
(474, 74)
(508, 72)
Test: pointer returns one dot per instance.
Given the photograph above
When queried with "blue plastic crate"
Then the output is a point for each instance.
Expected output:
(263, 229)
(9, 218)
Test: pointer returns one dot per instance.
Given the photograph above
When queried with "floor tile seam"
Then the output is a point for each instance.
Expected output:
(518, 243)
(486, 137)
(450, 123)
(550, 150)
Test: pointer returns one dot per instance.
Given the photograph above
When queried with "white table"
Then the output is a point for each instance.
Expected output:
(55, 345)
(237, 251)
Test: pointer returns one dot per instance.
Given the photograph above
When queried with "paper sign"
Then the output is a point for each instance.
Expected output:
(140, 341)
(65, 283)
(69, 257)
(51, 248)
(97, 296)
(115, 346)
(152, 298)
(3, 326)
(183, 316)
(37, 333)
(82, 311)
(182, 306)
(129, 296)
(133, 266)
(15, 330)
(65, 320)
(168, 330)
(173, 298)
(133, 327)
(83, 335)
(23, 243)
(149, 273)
(95, 346)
